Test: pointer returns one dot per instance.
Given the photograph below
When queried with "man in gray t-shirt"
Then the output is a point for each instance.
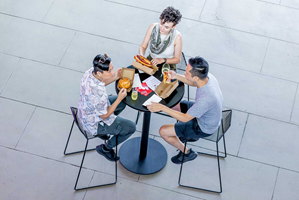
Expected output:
(197, 119)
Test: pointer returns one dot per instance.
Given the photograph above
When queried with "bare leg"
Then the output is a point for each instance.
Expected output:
(167, 132)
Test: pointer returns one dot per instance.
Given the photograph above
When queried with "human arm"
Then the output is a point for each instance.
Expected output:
(181, 78)
(157, 107)
(146, 40)
(121, 95)
(178, 44)
(116, 76)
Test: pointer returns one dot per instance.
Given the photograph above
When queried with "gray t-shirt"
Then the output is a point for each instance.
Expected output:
(208, 106)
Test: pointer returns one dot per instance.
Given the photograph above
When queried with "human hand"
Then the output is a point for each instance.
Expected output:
(157, 61)
(118, 74)
(173, 74)
(122, 93)
(154, 107)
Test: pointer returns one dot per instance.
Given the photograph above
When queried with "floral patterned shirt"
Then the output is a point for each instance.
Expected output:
(93, 102)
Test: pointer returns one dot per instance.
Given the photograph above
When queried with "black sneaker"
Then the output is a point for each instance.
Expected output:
(110, 155)
(188, 157)
(104, 137)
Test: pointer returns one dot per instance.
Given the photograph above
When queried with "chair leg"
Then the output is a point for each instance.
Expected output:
(224, 147)
(67, 142)
(137, 118)
(68, 139)
(182, 164)
(82, 165)
(202, 188)
(219, 167)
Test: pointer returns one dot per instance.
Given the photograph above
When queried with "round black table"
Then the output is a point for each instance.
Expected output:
(143, 155)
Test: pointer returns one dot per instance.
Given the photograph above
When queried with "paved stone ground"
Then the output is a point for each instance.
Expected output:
(45, 47)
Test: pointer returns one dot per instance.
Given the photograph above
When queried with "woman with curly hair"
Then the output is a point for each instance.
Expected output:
(164, 41)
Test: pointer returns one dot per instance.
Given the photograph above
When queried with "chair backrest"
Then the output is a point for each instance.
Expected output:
(74, 112)
(181, 66)
(224, 126)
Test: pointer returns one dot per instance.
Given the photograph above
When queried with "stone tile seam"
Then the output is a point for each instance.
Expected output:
(281, 5)
(169, 190)
(89, 184)
(66, 28)
(15, 67)
(275, 183)
(94, 170)
(221, 26)
(202, 10)
(293, 104)
(267, 75)
(51, 109)
(67, 48)
(62, 162)
(59, 66)
(265, 56)
(25, 127)
(48, 10)
(271, 165)
(208, 22)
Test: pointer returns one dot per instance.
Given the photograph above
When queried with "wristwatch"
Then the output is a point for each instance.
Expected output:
(165, 60)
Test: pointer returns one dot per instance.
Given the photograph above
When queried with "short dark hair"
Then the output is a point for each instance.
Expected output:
(171, 15)
(200, 67)
(99, 66)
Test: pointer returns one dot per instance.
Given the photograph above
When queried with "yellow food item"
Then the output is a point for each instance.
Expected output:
(124, 83)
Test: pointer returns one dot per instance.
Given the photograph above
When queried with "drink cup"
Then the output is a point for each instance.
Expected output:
(134, 94)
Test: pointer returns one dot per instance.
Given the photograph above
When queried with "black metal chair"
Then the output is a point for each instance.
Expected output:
(87, 137)
(215, 137)
(181, 67)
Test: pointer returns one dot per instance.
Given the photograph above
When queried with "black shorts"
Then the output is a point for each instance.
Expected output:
(188, 130)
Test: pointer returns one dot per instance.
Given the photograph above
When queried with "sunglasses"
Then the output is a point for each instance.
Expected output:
(104, 58)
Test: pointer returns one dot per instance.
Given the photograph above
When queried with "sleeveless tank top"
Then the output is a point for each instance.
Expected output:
(169, 51)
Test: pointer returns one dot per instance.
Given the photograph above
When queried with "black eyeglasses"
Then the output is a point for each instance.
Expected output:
(104, 58)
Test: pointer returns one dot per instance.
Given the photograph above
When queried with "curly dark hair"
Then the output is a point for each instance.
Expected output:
(171, 15)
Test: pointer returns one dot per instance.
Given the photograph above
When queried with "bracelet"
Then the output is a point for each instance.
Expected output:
(165, 60)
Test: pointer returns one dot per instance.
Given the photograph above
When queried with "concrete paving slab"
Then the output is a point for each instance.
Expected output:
(14, 117)
(44, 85)
(295, 114)
(189, 9)
(223, 46)
(233, 136)
(271, 1)
(252, 16)
(290, 3)
(26, 176)
(270, 141)
(127, 189)
(124, 23)
(8, 64)
(255, 93)
(36, 11)
(241, 179)
(33, 40)
(282, 54)
(49, 131)
(286, 185)
(85, 47)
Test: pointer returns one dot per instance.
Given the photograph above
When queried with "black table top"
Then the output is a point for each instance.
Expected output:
(170, 101)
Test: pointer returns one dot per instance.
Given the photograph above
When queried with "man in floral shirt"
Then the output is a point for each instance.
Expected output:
(97, 112)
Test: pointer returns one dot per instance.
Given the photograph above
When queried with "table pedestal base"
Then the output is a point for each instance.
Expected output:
(154, 161)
